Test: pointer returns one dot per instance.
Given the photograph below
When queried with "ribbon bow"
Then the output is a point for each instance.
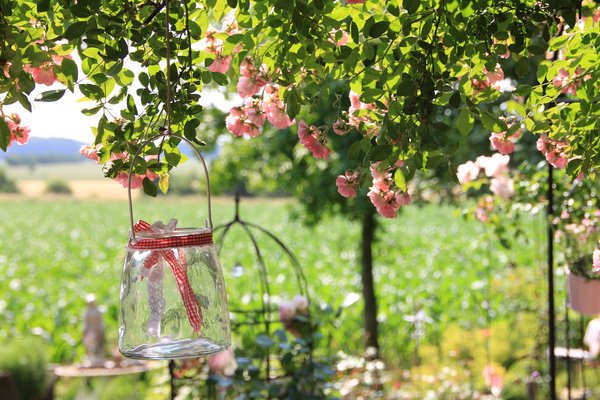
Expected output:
(170, 250)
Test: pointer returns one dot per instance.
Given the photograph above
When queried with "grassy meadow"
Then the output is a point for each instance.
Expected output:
(57, 250)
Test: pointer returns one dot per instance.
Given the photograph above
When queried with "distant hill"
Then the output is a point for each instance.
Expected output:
(43, 151)
(55, 150)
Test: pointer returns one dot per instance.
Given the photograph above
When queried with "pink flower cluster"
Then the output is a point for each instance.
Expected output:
(503, 142)
(565, 82)
(494, 167)
(596, 260)
(221, 362)
(313, 139)
(212, 44)
(249, 118)
(18, 133)
(555, 151)
(492, 379)
(492, 80)
(348, 183)
(354, 112)
(343, 37)
(44, 73)
(386, 199)
(289, 309)
(91, 152)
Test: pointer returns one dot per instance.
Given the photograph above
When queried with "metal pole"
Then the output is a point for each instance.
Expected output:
(551, 321)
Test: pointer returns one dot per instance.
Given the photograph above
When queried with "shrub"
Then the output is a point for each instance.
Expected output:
(58, 186)
(25, 360)
(7, 185)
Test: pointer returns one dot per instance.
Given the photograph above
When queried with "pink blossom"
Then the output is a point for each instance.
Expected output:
(502, 187)
(387, 203)
(467, 172)
(494, 166)
(494, 77)
(90, 152)
(340, 127)
(44, 74)
(277, 116)
(238, 123)
(300, 303)
(355, 106)
(247, 87)
(18, 133)
(234, 121)
(553, 150)
(253, 110)
(565, 83)
(218, 362)
(481, 214)
(221, 64)
(211, 43)
(504, 143)
(381, 179)
(492, 378)
(342, 41)
(313, 140)
(287, 311)
(596, 260)
(348, 184)
(136, 180)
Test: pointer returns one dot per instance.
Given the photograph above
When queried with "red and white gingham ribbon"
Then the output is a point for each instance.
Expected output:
(164, 248)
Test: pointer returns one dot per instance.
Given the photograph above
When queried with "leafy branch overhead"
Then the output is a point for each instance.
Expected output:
(405, 79)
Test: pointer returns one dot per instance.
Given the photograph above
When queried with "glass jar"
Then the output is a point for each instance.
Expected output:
(173, 301)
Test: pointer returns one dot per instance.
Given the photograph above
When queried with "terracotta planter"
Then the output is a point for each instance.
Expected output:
(584, 294)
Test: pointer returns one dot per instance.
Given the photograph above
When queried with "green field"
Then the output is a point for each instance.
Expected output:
(54, 252)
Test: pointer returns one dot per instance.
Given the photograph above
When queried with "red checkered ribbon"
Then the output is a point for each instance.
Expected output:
(179, 267)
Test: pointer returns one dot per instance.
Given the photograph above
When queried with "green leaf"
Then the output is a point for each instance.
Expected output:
(354, 34)
(400, 180)
(232, 3)
(379, 28)
(4, 134)
(522, 67)
(464, 122)
(90, 91)
(380, 152)
(293, 102)
(75, 30)
(43, 6)
(189, 129)
(163, 183)
(455, 100)
(91, 111)
(50, 95)
(574, 166)
(220, 79)
(149, 187)
(69, 69)
(131, 105)
(411, 5)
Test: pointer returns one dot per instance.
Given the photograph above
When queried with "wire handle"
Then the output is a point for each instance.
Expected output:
(137, 154)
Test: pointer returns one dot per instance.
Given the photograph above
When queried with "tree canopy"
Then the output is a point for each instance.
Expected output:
(401, 78)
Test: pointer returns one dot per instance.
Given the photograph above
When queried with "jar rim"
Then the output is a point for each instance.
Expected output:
(177, 232)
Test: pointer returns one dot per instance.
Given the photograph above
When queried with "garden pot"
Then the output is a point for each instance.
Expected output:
(584, 294)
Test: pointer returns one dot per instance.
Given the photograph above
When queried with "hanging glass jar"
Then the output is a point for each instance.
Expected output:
(172, 302)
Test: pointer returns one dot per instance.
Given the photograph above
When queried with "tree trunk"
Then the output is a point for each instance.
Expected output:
(368, 287)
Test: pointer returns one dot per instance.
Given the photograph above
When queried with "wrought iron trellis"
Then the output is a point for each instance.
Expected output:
(264, 314)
